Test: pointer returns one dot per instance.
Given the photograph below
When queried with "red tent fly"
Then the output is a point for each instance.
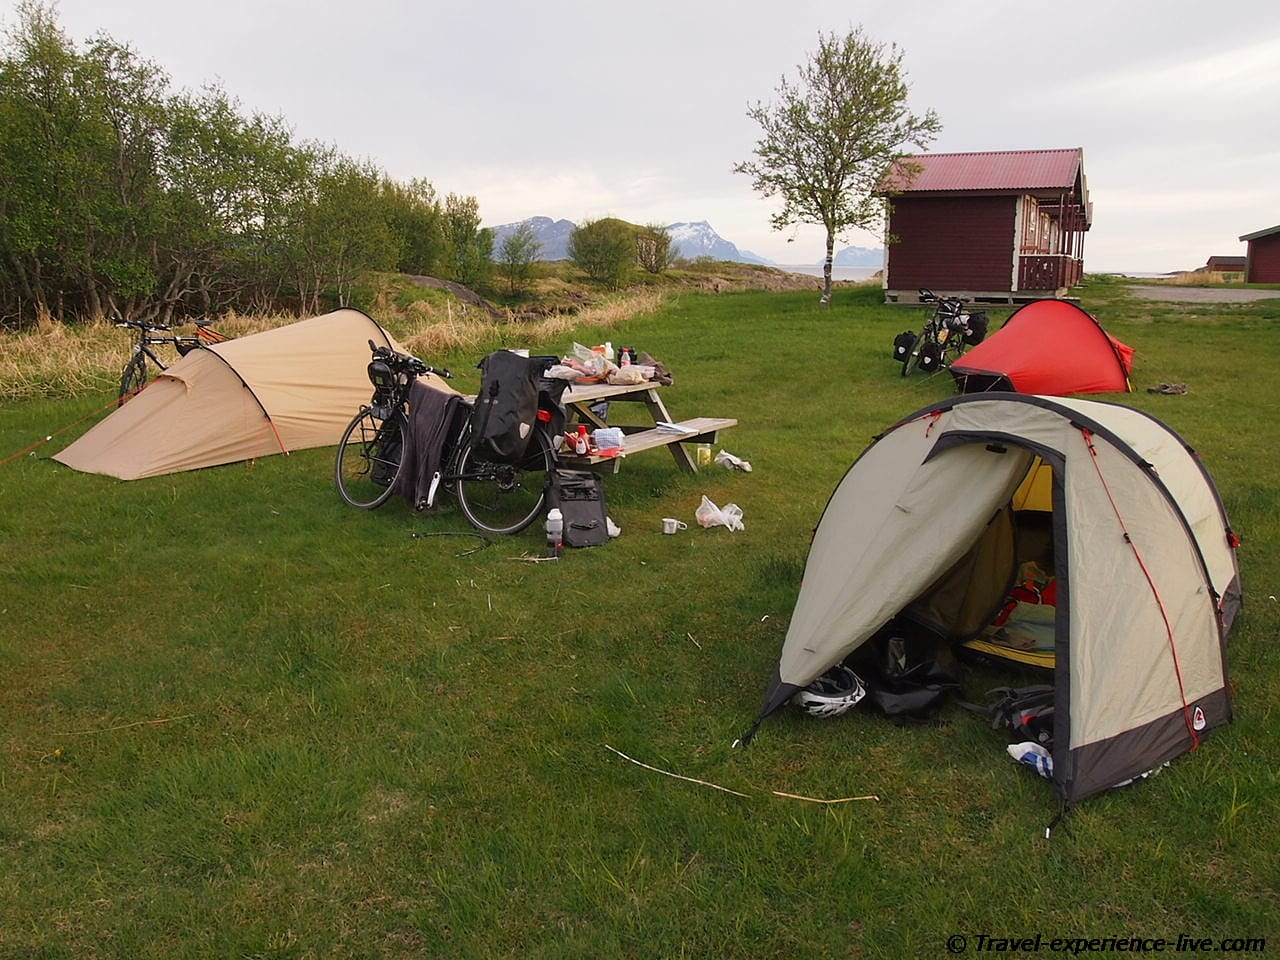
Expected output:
(1047, 347)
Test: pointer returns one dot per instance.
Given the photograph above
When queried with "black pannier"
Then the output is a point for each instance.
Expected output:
(386, 455)
(902, 344)
(580, 496)
(506, 408)
(977, 328)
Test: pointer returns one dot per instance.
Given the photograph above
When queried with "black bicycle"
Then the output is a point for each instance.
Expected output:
(497, 497)
(135, 374)
(948, 332)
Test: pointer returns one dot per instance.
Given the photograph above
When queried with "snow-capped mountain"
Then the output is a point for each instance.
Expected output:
(553, 236)
(858, 257)
(690, 240)
(693, 240)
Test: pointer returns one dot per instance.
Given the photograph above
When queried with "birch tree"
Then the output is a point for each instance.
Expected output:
(831, 135)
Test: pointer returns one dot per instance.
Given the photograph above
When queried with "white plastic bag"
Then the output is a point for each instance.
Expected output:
(1034, 756)
(730, 462)
(709, 515)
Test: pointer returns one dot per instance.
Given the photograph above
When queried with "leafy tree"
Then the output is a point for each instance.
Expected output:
(41, 160)
(832, 136)
(227, 178)
(123, 190)
(469, 247)
(125, 199)
(604, 249)
(653, 248)
(519, 252)
(118, 196)
(414, 212)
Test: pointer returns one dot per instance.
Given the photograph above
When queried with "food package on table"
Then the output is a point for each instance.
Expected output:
(587, 354)
(626, 376)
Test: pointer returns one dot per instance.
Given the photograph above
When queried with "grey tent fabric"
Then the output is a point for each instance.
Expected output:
(1147, 576)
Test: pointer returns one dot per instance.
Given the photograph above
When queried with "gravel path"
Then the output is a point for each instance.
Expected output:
(1201, 294)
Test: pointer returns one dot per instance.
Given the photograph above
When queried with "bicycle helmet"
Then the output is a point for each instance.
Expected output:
(831, 694)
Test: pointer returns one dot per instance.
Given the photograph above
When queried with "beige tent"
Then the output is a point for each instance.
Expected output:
(273, 392)
(925, 528)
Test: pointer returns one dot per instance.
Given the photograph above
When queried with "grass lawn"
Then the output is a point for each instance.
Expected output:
(243, 720)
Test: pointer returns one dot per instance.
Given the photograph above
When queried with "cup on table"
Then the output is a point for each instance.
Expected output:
(671, 525)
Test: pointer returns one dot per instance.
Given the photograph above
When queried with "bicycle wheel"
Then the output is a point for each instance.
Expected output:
(503, 497)
(953, 350)
(913, 357)
(369, 460)
(133, 379)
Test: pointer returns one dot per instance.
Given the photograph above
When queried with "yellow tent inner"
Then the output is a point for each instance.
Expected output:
(1036, 490)
(1026, 636)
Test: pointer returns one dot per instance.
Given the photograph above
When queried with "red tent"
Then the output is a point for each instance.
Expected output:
(1049, 347)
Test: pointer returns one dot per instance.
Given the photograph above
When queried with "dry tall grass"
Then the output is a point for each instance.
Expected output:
(53, 359)
(469, 330)
(1202, 278)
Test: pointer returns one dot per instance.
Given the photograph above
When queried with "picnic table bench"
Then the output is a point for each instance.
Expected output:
(581, 399)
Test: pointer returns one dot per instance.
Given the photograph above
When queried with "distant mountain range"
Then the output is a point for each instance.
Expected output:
(692, 240)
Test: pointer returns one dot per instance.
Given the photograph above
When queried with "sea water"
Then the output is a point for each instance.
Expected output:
(837, 273)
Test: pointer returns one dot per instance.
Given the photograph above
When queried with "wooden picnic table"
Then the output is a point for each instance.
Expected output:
(580, 398)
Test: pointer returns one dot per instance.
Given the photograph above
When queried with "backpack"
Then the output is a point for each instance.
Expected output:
(580, 496)
(1025, 713)
(506, 408)
(902, 682)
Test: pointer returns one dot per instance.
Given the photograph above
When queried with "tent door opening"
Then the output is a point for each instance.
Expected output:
(1000, 599)
(1022, 629)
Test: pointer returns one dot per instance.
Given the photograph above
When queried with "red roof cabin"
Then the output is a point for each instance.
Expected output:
(1263, 256)
(1225, 265)
(1002, 227)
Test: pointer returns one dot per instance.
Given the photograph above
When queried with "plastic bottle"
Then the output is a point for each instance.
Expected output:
(555, 533)
(625, 360)
(581, 445)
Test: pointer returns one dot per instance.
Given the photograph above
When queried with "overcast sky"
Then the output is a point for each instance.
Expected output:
(573, 109)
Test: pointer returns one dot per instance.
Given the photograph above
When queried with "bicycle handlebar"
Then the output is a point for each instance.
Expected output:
(928, 296)
(407, 361)
(143, 325)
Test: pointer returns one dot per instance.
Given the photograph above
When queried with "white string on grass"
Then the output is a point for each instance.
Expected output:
(716, 786)
(667, 773)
